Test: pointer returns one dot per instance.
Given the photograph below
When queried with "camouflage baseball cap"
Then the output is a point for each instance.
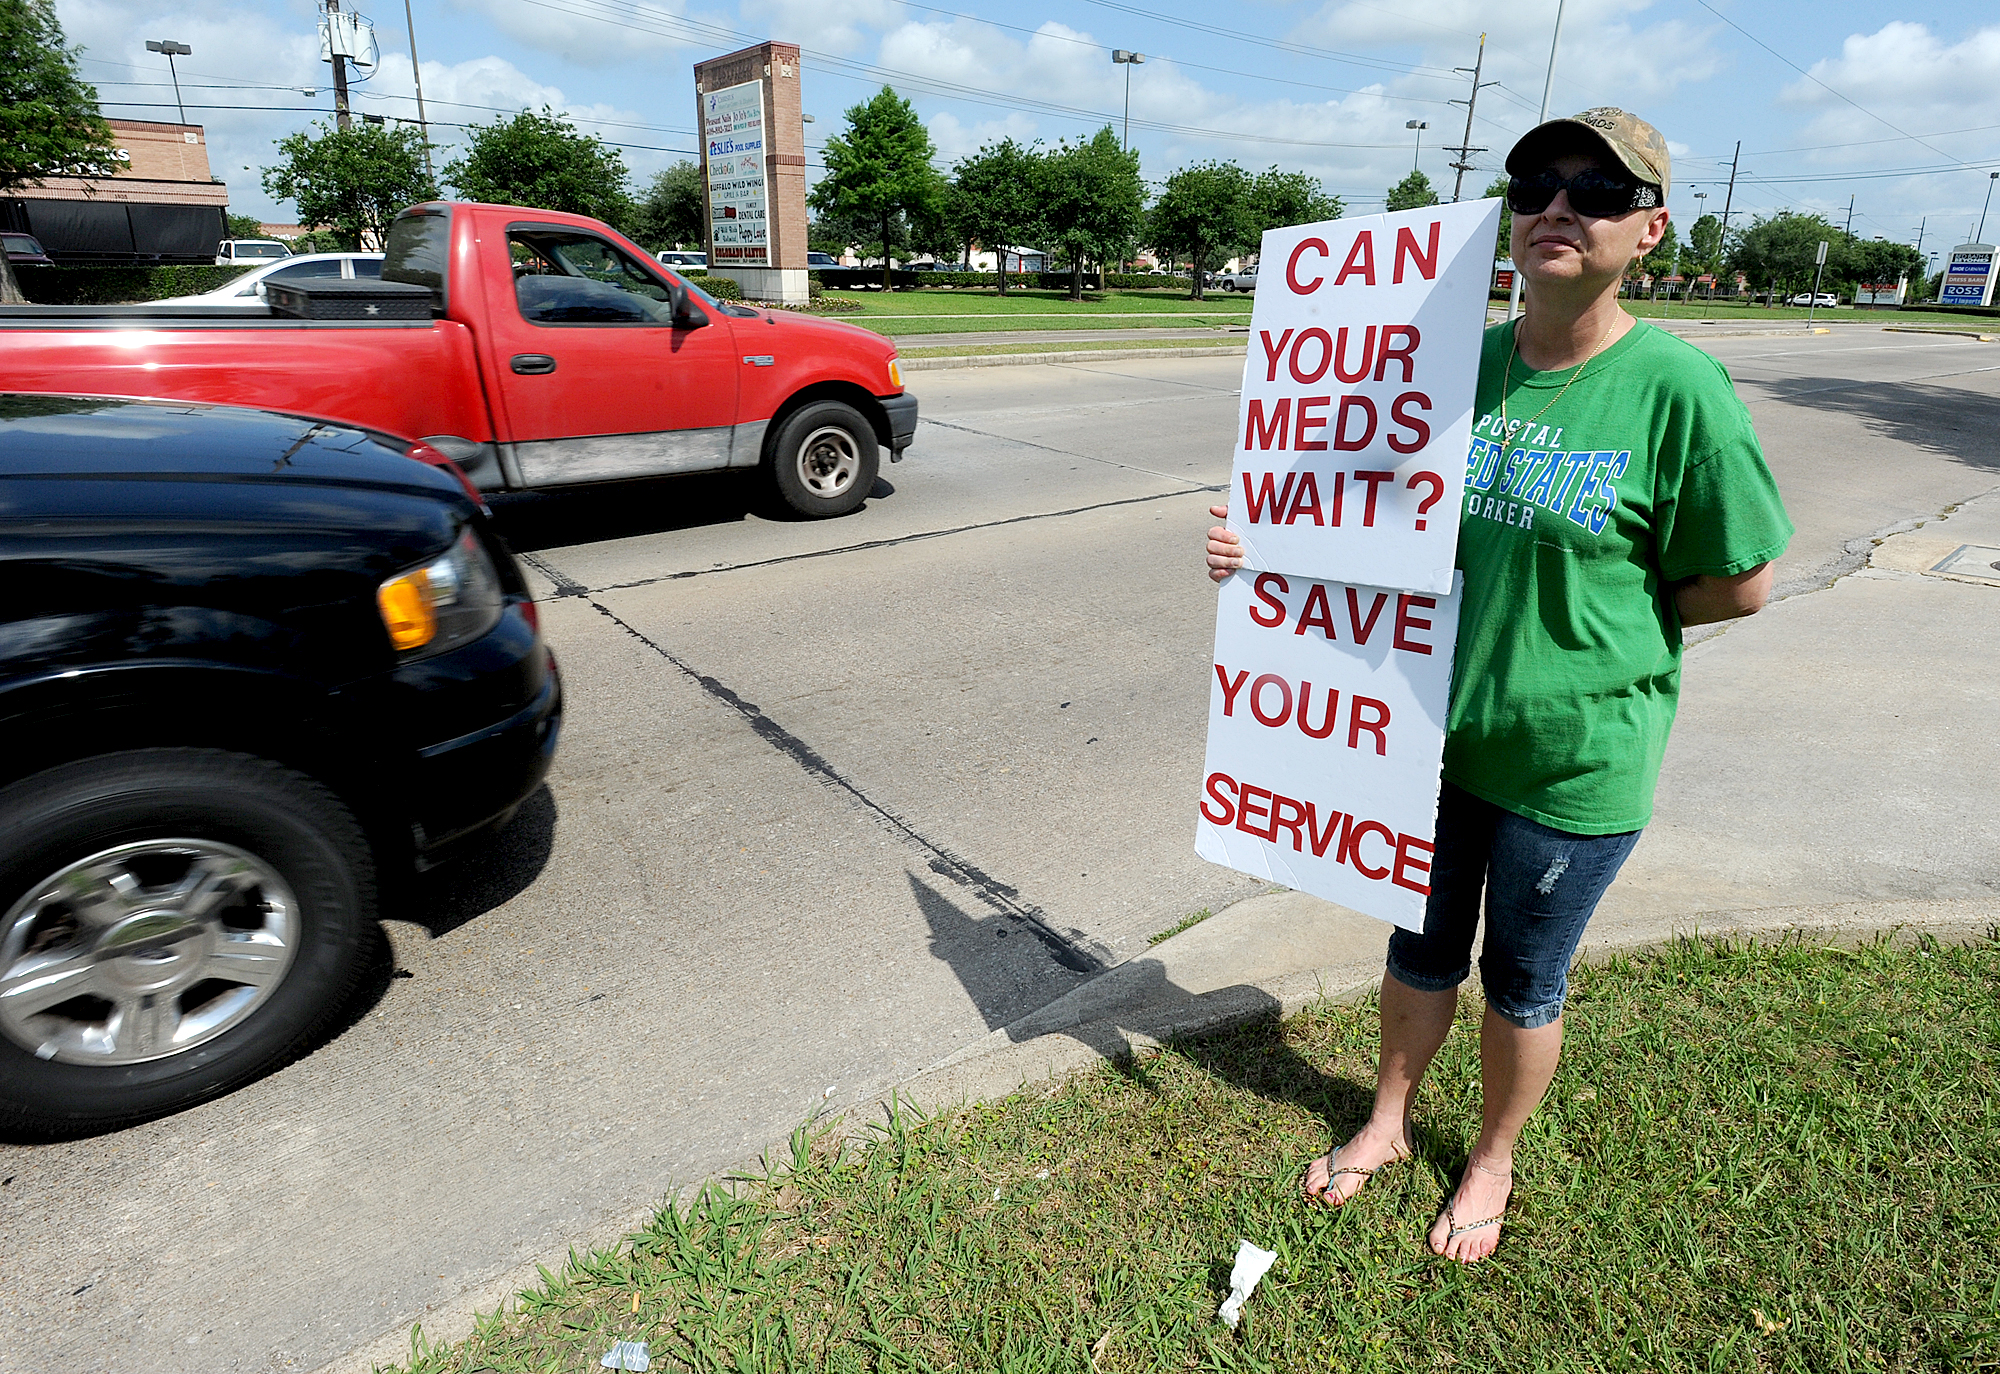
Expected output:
(1630, 139)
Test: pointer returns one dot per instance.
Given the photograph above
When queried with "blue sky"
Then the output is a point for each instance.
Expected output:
(1898, 106)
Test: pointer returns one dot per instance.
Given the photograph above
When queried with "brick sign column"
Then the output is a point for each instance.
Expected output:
(748, 115)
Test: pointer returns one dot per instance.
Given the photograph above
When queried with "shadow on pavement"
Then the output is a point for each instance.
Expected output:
(1023, 986)
(535, 520)
(1952, 422)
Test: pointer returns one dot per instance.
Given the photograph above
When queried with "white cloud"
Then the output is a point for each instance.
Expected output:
(597, 34)
(1911, 79)
(841, 28)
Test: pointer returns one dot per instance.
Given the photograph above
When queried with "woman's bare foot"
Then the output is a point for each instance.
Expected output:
(1468, 1229)
(1335, 1177)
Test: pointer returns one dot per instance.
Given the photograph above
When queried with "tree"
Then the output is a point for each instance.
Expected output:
(1665, 255)
(244, 226)
(1777, 251)
(1092, 202)
(1279, 200)
(352, 180)
(881, 169)
(1503, 246)
(994, 203)
(1705, 243)
(1880, 263)
(1413, 192)
(49, 124)
(543, 161)
(669, 214)
(1202, 210)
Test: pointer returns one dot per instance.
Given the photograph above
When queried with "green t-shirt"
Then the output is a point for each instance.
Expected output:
(1644, 473)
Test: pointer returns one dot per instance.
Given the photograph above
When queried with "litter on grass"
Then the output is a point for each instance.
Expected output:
(627, 1355)
(1243, 1275)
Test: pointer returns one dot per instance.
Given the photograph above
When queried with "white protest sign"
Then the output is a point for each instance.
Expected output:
(1325, 737)
(1358, 395)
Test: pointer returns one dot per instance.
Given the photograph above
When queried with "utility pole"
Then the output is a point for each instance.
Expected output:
(1730, 195)
(1465, 150)
(341, 118)
(1850, 217)
(1514, 298)
(418, 73)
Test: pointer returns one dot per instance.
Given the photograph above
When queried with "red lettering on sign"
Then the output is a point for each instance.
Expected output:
(1374, 481)
(1360, 260)
(1256, 700)
(1376, 727)
(1287, 814)
(1405, 860)
(1315, 612)
(1258, 432)
(1420, 430)
(1308, 487)
(1300, 374)
(1350, 847)
(1245, 794)
(1348, 404)
(1310, 419)
(1230, 689)
(1270, 498)
(1272, 353)
(1332, 708)
(1321, 838)
(1405, 621)
(1404, 355)
(1300, 288)
(1359, 374)
(1426, 261)
(1228, 804)
(1354, 623)
(1262, 588)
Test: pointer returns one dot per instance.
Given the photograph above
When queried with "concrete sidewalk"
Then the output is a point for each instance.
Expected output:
(1831, 776)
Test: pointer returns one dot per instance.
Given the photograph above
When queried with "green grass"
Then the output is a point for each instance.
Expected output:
(1187, 922)
(1726, 310)
(1068, 346)
(1753, 1159)
(937, 311)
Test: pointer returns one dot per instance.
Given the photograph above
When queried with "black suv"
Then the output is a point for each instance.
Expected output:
(251, 665)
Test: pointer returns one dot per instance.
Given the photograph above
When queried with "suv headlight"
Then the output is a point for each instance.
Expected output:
(445, 603)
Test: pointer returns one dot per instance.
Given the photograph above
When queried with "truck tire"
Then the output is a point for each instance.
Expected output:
(173, 923)
(823, 459)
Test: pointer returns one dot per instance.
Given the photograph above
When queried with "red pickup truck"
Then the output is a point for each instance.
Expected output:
(536, 349)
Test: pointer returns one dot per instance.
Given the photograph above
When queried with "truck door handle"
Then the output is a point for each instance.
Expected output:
(533, 364)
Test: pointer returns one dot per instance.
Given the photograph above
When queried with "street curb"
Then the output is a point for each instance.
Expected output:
(1100, 354)
(1929, 329)
(1052, 1048)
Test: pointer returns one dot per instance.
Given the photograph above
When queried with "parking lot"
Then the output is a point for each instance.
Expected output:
(833, 800)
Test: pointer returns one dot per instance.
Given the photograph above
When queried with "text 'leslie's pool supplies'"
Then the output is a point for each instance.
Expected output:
(1333, 647)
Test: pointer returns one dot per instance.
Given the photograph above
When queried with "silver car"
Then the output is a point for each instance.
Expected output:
(247, 291)
(1236, 281)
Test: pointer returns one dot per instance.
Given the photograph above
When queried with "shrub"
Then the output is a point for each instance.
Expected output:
(722, 288)
(120, 285)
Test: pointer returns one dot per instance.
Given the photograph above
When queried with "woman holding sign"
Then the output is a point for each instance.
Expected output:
(1569, 645)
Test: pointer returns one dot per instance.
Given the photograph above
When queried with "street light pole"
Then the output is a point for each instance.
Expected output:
(1419, 125)
(1980, 236)
(418, 73)
(1514, 297)
(172, 50)
(1127, 60)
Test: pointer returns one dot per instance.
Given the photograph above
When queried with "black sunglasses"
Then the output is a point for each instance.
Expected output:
(1591, 193)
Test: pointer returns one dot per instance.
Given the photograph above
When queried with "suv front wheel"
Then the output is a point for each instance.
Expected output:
(173, 922)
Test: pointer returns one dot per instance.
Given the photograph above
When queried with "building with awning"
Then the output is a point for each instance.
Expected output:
(163, 204)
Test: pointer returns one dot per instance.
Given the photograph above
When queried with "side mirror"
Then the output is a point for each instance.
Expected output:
(686, 316)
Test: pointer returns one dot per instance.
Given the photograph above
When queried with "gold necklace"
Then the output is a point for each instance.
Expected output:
(1507, 380)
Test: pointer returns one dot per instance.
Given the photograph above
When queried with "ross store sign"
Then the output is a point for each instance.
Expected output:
(1968, 275)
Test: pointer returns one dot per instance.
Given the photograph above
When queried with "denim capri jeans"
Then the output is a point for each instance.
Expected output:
(1541, 886)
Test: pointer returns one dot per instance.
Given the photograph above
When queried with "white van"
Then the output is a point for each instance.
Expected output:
(243, 252)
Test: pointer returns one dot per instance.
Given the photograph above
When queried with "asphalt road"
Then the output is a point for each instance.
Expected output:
(833, 800)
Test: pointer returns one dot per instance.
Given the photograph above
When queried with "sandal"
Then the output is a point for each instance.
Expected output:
(1454, 1229)
(1331, 1156)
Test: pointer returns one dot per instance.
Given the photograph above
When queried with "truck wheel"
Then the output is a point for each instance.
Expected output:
(824, 460)
(173, 922)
